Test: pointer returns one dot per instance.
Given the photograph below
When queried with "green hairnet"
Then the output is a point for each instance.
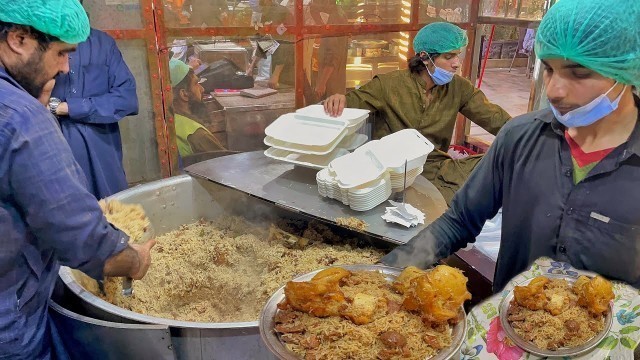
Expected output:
(64, 19)
(440, 38)
(601, 35)
(177, 71)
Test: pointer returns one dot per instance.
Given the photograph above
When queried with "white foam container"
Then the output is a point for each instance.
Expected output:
(351, 116)
(308, 131)
(353, 141)
(356, 169)
(409, 142)
(318, 162)
(304, 149)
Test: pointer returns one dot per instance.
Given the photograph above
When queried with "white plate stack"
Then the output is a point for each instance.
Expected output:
(367, 177)
(311, 138)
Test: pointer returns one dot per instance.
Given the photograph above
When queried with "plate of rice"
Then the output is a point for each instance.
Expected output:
(558, 315)
(366, 312)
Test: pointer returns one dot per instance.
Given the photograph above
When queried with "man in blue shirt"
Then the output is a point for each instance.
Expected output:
(96, 93)
(47, 217)
(566, 177)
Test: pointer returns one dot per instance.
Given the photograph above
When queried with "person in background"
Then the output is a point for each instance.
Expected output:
(47, 216)
(192, 136)
(89, 101)
(331, 77)
(566, 176)
(205, 13)
(428, 97)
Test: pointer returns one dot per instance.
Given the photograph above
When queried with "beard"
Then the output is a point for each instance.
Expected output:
(30, 73)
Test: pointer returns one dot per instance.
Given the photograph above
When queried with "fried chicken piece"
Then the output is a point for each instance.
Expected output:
(531, 296)
(595, 294)
(403, 281)
(363, 308)
(319, 297)
(438, 294)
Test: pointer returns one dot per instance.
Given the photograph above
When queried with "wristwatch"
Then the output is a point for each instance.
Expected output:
(53, 105)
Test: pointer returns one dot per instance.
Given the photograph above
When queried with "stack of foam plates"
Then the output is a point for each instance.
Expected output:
(312, 138)
(368, 176)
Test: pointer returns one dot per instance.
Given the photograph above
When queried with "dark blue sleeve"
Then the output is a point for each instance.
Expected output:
(48, 187)
(477, 201)
(120, 101)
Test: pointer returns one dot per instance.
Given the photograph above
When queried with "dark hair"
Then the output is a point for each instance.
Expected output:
(416, 63)
(43, 39)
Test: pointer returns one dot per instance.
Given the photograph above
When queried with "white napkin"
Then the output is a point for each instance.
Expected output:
(409, 216)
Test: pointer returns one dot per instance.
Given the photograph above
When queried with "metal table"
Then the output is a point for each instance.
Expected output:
(295, 189)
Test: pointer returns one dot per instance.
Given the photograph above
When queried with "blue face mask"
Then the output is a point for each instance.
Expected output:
(590, 113)
(439, 76)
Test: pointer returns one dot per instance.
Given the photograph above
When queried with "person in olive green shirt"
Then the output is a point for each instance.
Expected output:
(192, 136)
(428, 97)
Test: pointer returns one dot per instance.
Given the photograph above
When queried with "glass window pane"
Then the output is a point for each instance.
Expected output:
(456, 11)
(139, 143)
(114, 14)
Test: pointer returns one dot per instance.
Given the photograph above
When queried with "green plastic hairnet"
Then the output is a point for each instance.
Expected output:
(177, 71)
(602, 35)
(440, 37)
(64, 19)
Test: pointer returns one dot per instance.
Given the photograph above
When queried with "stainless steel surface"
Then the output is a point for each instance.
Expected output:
(270, 309)
(87, 338)
(170, 203)
(127, 286)
(562, 352)
(295, 189)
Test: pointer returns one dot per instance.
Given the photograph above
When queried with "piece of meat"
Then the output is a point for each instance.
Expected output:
(310, 355)
(403, 281)
(291, 338)
(595, 294)
(332, 336)
(310, 342)
(392, 339)
(532, 295)
(319, 297)
(572, 326)
(285, 317)
(393, 307)
(281, 328)
(362, 309)
(432, 341)
(438, 294)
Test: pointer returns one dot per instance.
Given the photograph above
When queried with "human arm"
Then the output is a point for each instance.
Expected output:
(133, 261)
(477, 201)
(477, 108)
(274, 79)
(203, 141)
(111, 93)
(47, 186)
(369, 96)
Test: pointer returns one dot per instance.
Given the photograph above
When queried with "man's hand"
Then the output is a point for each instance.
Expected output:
(144, 259)
(133, 261)
(63, 109)
(45, 95)
(273, 83)
(334, 104)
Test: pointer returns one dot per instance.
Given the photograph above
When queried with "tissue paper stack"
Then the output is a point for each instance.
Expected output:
(409, 216)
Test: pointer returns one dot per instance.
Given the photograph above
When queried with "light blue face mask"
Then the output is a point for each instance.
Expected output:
(439, 76)
(590, 113)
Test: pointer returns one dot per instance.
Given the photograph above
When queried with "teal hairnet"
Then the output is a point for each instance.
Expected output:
(64, 19)
(601, 35)
(440, 37)
(177, 71)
